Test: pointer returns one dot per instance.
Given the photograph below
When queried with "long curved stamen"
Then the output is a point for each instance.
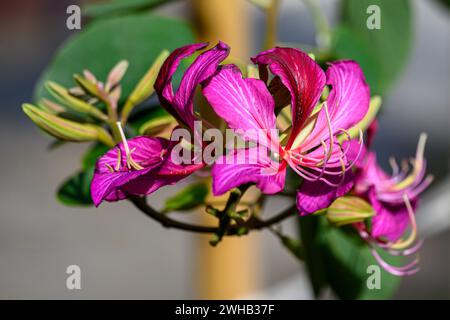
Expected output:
(299, 157)
(409, 269)
(394, 166)
(418, 164)
(361, 145)
(408, 251)
(405, 270)
(325, 159)
(305, 174)
(309, 175)
(401, 244)
(397, 197)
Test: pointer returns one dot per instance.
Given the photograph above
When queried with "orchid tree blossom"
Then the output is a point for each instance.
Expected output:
(394, 199)
(310, 146)
(142, 165)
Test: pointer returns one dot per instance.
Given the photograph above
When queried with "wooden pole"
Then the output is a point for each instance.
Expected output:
(231, 269)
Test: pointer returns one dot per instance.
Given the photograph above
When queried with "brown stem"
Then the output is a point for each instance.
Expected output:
(253, 223)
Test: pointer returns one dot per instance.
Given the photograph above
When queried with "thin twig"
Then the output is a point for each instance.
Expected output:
(253, 223)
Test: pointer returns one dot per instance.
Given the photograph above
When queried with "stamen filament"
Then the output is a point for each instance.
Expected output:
(401, 244)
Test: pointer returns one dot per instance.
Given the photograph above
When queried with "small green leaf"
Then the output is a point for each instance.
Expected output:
(190, 197)
(75, 191)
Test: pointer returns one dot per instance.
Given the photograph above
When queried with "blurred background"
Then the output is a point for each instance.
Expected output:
(122, 253)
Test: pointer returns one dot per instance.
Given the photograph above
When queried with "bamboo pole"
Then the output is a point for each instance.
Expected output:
(231, 269)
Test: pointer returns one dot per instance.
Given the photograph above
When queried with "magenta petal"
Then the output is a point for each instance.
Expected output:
(317, 195)
(301, 75)
(370, 174)
(244, 104)
(106, 184)
(254, 167)
(348, 101)
(349, 98)
(180, 104)
(168, 173)
(390, 221)
(163, 83)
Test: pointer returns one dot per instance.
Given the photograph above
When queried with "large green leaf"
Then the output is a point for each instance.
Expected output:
(113, 7)
(346, 259)
(309, 233)
(383, 52)
(337, 257)
(75, 191)
(100, 45)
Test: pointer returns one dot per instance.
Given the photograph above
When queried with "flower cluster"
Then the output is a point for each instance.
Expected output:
(288, 115)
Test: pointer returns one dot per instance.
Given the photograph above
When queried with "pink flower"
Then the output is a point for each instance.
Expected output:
(394, 199)
(142, 165)
(311, 146)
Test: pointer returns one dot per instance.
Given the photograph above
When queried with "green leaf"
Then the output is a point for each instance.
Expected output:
(345, 259)
(75, 191)
(138, 39)
(337, 257)
(188, 198)
(382, 53)
(113, 7)
(91, 156)
(309, 234)
(446, 3)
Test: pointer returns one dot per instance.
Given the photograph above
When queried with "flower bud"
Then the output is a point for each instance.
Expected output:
(63, 95)
(116, 74)
(87, 85)
(349, 209)
(159, 126)
(144, 88)
(64, 129)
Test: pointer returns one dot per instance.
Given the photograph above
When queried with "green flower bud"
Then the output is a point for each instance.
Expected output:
(144, 88)
(349, 209)
(63, 96)
(64, 129)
